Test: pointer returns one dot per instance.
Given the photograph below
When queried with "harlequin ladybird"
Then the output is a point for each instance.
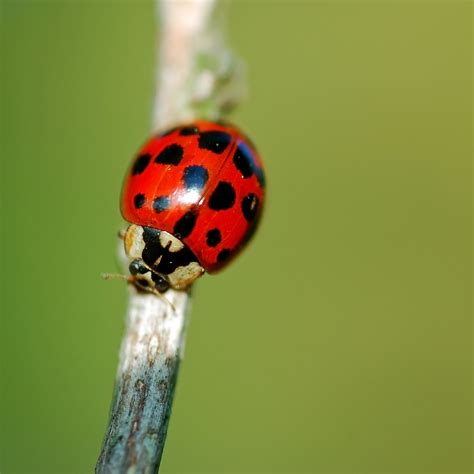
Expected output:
(193, 196)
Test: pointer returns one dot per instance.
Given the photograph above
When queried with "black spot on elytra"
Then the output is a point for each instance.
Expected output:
(169, 261)
(171, 155)
(185, 225)
(244, 161)
(161, 203)
(191, 130)
(140, 164)
(139, 200)
(195, 177)
(223, 197)
(223, 255)
(214, 141)
(213, 238)
(250, 206)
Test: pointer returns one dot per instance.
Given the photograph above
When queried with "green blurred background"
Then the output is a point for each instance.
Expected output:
(341, 340)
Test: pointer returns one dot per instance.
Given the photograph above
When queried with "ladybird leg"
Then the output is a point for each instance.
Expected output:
(138, 283)
(121, 234)
(165, 299)
(154, 291)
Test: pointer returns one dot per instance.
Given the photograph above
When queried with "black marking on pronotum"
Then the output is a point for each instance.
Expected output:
(185, 225)
(250, 206)
(169, 261)
(223, 197)
(140, 164)
(223, 255)
(171, 155)
(195, 177)
(161, 203)
(190, 130)
(139, 200)
(214, 141)
(244, 160)
(150, 234)
(213, 237)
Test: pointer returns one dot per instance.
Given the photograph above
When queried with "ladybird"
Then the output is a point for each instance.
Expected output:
(193, 197)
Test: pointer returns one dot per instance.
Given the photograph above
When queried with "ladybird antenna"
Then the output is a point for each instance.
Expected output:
(132, 279)
(115, 276)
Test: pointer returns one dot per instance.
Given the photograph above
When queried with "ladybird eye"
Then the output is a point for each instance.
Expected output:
(160, 283)
(136, 266)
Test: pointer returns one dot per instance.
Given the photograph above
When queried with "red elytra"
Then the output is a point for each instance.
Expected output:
(201, 182)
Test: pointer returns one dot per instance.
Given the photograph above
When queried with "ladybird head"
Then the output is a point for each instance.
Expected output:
(158, 260)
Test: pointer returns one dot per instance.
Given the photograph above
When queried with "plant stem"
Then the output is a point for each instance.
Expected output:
(146, 379)
(196, 77)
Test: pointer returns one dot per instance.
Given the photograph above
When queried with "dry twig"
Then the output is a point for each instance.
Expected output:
(196, 77)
